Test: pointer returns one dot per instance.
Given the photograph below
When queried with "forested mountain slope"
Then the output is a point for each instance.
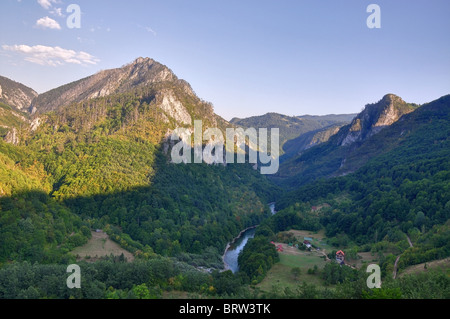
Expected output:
(293, 128)
(97, 149)
(402, 190)
(94, 155)
(352, 146)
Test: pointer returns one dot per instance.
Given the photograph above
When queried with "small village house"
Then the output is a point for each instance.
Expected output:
(307, 244)
(340, 257)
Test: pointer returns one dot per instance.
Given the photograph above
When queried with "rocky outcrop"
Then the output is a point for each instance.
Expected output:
(35, 124)
(173, 107)
(139, 73)
(374, 118)
(12, 124)
(16, 94)
(144, 81)
(323, 136)
(12, 137)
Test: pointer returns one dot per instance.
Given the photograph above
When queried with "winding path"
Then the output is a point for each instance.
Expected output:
(398, 257)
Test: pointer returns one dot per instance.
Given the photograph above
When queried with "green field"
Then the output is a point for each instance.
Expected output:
(280, 275)
(301, 261)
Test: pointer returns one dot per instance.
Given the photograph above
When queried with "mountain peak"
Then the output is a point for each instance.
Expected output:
(142, 60)
(141, 72)
(392, 98)
(374, 118)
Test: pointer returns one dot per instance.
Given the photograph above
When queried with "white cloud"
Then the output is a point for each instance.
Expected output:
(150, 30)
(46, 4)
(48, 23)
(57, 12)
(51, 56)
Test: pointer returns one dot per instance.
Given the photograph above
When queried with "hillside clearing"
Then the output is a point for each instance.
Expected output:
(442, 264)
(280, 275)
(100, 246)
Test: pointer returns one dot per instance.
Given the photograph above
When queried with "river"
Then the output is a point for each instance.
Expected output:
(230, 258)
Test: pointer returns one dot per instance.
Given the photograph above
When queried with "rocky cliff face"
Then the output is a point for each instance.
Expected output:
(323, 136)
(372, 132)
(12, 137)
(142, 77)
(139, 73)
(12, 121)
(169, 103)
(374, 118)
(16, 94)
(136, 88)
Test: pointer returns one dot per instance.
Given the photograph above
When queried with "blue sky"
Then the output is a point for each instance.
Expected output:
(246, 57)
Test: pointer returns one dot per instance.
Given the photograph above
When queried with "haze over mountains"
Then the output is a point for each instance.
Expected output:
(297, 132)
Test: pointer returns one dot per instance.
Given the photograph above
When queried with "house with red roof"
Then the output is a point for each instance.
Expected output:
(340, 257)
